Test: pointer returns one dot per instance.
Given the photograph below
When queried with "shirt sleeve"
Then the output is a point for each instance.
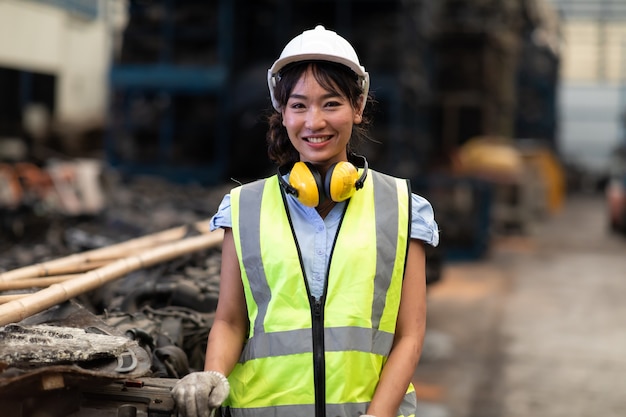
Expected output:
(423, 224)
(222, 218)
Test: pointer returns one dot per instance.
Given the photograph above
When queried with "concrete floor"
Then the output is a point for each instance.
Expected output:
(538, 328)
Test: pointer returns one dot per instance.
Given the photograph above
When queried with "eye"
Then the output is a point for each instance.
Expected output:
(332, 103)
(296, 105)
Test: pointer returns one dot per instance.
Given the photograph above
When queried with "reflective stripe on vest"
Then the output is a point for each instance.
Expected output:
(275, 373)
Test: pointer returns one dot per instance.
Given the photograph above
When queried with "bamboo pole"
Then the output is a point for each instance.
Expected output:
(68, 269)
(19, 309)
(106, 253)
(11, 297)
(26, 283)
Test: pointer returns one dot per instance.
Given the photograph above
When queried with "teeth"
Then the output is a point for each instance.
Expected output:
(317, 140)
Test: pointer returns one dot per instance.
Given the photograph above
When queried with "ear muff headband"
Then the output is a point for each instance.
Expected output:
(341, 182)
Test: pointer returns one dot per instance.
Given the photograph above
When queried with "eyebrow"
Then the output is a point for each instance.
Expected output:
(325, 96)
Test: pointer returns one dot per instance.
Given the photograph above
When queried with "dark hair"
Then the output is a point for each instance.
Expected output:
(333, 77)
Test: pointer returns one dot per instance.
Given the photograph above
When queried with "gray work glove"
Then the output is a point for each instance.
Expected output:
(200, 393)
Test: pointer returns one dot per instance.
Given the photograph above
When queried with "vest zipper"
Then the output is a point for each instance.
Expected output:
(319, 363)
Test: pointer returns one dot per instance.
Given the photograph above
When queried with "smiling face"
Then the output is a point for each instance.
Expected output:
(319, 122)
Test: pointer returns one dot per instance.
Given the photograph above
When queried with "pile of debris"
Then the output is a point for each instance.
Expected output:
(143, 269)
(35, 227)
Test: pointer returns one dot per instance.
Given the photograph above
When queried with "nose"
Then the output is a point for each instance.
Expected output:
(314, 119)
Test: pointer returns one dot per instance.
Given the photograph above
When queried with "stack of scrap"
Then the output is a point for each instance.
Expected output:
(65, 187)
(180, 35)
(496, 65)
(159, 289)
(538, 74)
(476, 49)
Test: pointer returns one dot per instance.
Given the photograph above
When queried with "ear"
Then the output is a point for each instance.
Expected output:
(282, 117)
(358, 113)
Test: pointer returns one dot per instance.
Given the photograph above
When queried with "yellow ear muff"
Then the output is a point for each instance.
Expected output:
(308, 182)
(340, 181)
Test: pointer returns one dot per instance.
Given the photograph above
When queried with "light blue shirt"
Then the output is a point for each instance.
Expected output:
(316, 235)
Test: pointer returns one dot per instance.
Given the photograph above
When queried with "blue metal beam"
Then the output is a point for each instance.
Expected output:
(169, 77)
(86, 8)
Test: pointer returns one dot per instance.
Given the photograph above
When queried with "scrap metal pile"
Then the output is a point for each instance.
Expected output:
(96, 307)
(58, 188)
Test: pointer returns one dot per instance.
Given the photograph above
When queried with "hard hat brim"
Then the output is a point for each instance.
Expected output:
(282, 63)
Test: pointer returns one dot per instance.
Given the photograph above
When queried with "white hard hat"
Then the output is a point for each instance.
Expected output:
(321, 45)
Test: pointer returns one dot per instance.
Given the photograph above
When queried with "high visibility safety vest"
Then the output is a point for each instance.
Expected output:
(318, 358)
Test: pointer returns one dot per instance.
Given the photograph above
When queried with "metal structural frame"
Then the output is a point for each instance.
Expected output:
(167, 78)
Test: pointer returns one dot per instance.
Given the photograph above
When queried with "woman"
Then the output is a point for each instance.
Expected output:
(322, 304)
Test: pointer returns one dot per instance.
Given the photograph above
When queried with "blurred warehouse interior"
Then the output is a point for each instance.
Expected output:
(124, 122)
(492, 107)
